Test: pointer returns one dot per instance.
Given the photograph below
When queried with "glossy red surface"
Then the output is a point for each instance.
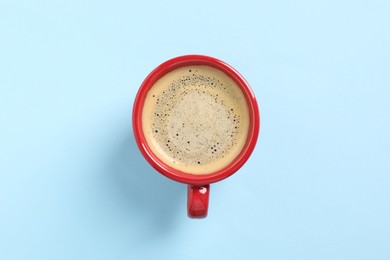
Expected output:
(174, 174)
(198, 201)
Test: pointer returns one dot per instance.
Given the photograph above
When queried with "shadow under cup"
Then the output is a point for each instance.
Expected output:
(198, 184)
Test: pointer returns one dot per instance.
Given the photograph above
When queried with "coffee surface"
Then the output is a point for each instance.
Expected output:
(195, 119)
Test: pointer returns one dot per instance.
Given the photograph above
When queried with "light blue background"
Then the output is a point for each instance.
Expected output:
(73, 185)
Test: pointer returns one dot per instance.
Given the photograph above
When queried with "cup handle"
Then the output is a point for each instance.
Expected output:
(198, 201)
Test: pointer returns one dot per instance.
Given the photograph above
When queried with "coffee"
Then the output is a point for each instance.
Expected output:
(195, 119)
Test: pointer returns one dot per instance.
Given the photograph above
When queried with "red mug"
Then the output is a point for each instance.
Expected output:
(198, 185)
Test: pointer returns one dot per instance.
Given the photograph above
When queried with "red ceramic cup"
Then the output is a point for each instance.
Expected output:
(198, 185)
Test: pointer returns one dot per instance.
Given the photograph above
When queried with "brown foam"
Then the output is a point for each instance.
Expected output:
(195, 119)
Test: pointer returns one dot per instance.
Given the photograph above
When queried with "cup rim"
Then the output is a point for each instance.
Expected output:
(159, 165)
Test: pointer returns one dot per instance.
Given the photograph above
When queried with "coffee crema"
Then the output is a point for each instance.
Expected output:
(195, 119)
